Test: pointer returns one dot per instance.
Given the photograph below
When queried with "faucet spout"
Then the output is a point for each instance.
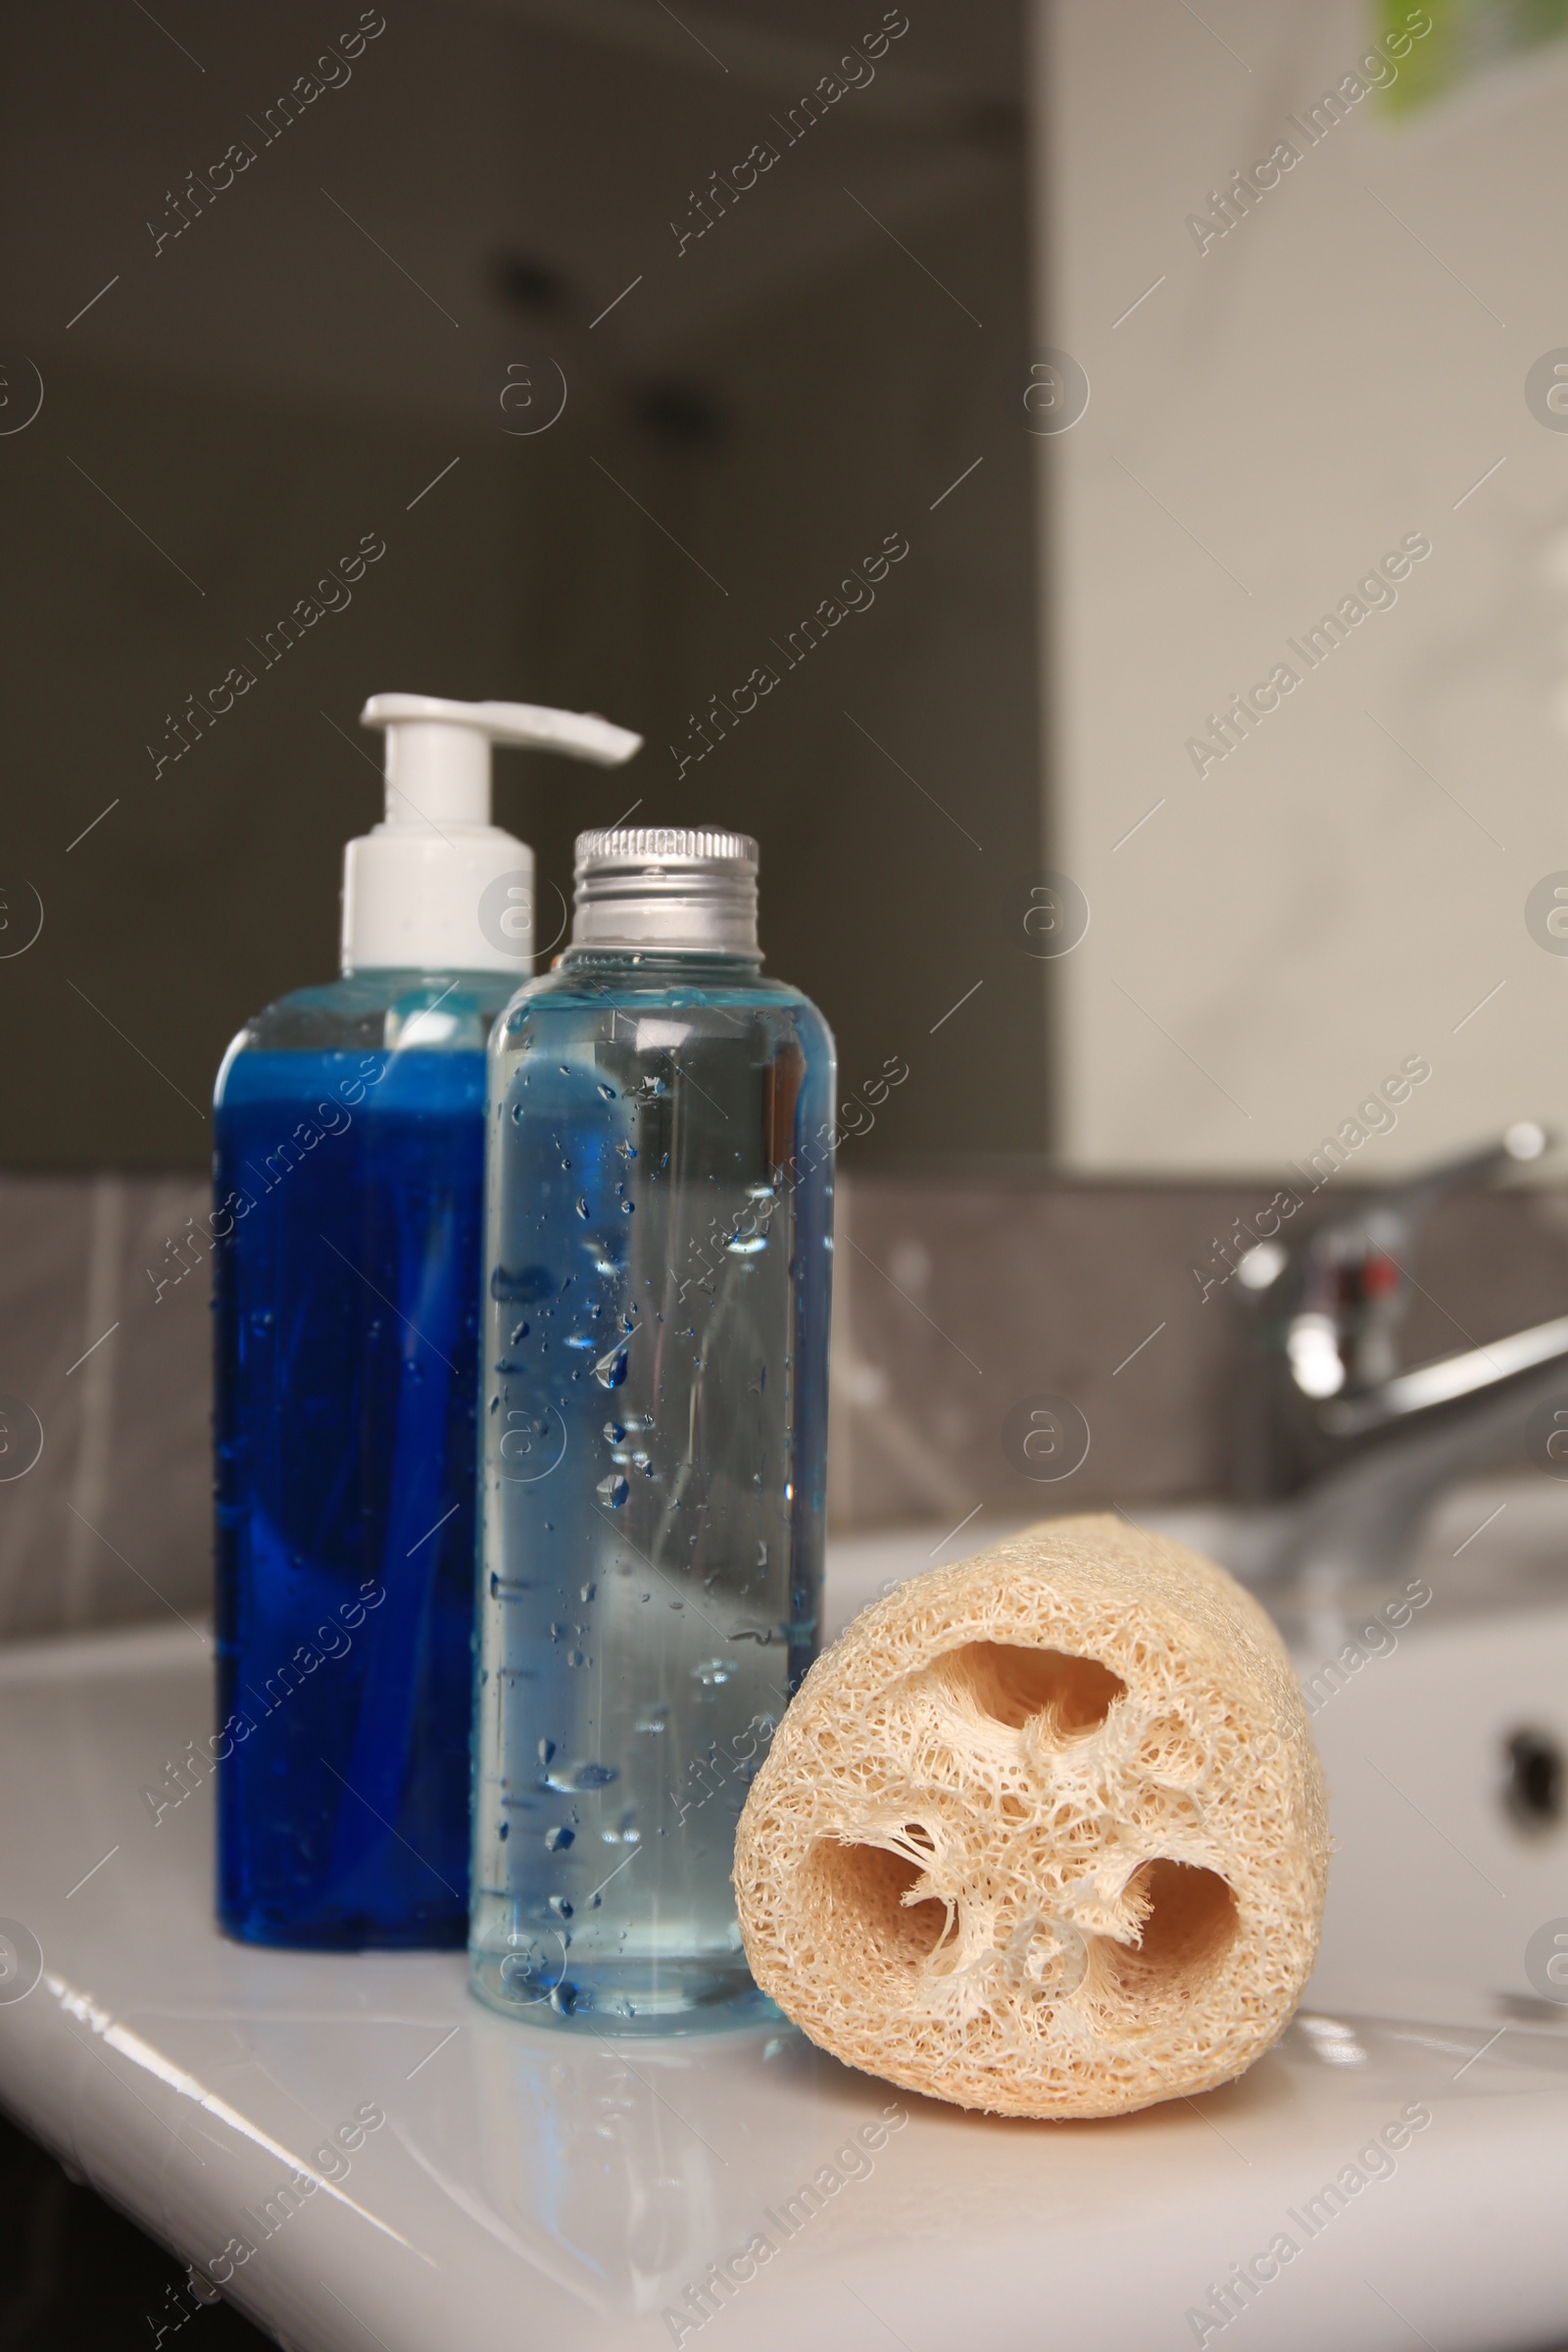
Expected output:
(1360, 1521)
(1446, 1379)
(1360, 1445)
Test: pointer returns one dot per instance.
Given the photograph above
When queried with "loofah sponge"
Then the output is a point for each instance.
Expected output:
(1044, 1832)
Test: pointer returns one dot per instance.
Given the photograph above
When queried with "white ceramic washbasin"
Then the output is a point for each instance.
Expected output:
(526, 2187)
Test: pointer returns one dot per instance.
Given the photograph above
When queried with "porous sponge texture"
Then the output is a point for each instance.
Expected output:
(1044, 1832)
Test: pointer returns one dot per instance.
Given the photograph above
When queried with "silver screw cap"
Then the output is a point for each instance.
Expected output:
(666, 887)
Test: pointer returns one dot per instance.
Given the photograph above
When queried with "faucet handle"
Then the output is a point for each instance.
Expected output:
(1333, 1306)
(1387, 1220)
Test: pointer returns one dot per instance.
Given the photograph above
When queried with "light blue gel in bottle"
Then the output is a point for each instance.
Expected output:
(658, 1257)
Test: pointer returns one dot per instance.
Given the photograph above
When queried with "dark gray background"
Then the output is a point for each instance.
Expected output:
(271, 385)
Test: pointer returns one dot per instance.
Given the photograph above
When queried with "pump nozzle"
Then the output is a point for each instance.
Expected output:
(436, 887)
(438, 753)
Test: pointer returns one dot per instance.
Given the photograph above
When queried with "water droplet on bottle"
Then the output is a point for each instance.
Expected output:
(611, 1369)
(614, 1433)
(582, 1207)
(561, 1909)
(652, 1719)
(713, 1670)
(558, 1839)
(504, 1831)
(607, 1092)
(612, 1491)
(576, 1779)
(628, 1209)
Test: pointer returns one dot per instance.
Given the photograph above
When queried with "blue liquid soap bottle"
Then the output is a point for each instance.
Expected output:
(658, 1251)
(348, 1172)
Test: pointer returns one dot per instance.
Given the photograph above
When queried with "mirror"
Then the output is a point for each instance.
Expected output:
(1188, 785)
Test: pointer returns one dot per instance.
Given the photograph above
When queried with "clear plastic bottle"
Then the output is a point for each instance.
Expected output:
(659, 1236)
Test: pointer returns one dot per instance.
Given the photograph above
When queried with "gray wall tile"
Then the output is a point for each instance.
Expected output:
(954, 1301)
(112, 1520)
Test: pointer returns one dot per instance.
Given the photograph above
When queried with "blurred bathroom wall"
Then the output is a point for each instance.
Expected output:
(1286, 386)
(365, 336)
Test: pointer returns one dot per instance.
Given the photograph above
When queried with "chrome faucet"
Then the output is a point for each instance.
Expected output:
(1347, 1446)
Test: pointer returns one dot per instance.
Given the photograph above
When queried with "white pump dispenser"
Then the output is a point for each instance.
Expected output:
(436, 887)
